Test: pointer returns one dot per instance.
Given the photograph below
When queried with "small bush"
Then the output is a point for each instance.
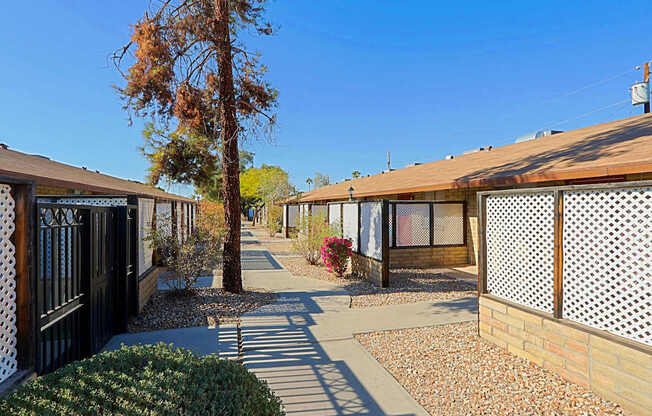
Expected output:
(313, 229)
(186, 260)
(145, 380)
(274, 219)
(335, 253)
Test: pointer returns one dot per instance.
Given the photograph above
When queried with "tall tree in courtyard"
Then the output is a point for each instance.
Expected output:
(193, 75)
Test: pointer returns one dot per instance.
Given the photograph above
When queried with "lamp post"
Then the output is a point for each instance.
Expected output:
(351, 193)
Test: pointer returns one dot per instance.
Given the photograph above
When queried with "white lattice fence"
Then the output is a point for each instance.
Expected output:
(96, 202)
(293, 214)
(145, 251)
(335, 214)
(412, 224)
(607, 261)
(448, 224)
(371, 230)
(164, 216)
(350, 223)
(520, 248)
(8, 329)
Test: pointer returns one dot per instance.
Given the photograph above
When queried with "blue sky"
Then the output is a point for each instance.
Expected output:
(357, 79)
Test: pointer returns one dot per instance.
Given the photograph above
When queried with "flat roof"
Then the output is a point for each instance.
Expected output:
(44, 171)
(614, 148)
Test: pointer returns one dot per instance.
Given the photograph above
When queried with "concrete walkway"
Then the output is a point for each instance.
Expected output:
(304, 344)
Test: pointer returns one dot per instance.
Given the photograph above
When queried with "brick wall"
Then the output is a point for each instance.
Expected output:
(428, 256)
(148, 286)
(370, 269)
(615, 370)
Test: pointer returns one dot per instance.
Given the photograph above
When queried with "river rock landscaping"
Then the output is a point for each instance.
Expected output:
(449, 370)
(200, 307)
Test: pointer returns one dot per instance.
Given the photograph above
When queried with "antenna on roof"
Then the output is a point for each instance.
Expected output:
(389, 163)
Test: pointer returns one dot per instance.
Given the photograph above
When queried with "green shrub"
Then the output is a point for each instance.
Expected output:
(145, 380)
(313, 229)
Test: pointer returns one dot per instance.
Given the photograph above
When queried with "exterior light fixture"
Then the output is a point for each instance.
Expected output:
(351, 193)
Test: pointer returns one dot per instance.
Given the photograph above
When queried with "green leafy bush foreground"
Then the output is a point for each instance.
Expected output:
(145, 380)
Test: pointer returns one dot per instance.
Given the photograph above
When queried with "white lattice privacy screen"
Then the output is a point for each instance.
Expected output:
(334, 214)
(350, 223)
(164, 216)
(607, 264)
(179, 221)
(448, 224)
(371, 230)
(293, 213)
(412, 225)
(520, 248)
(96, 202)
(319, 210)
(7, 285)
(145, 216)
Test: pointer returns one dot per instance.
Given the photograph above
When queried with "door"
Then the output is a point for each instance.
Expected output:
(103, 270)
(62, 285)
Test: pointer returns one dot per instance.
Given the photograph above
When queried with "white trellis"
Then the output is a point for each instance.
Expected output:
(350, 223)
(371, 229)
(520, 248)
(8, 329)
(96, 202)
(607, 260)
(145, 250)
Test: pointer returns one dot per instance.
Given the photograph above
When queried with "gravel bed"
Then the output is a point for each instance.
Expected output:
(281, 247)
(409, 286)
(202, 307)
(299, 267)
(449, 370)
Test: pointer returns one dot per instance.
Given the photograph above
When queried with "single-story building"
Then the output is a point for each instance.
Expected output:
(73, 261)
(559, 227)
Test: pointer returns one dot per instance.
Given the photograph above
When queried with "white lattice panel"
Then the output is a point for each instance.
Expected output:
(607, 243)
(319, 210)
(179, 214)
(334, 214)
(164, 216)
(145, 216)
(412, 225)
(350, 223)
(448, 224)
(371, 230)
(96, 202)
(520, 248)
(8, 329)
(293, 213)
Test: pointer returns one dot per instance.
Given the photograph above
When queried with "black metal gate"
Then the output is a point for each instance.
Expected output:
(78, 269)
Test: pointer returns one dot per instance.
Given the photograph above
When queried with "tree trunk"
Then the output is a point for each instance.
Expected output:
(231, 272)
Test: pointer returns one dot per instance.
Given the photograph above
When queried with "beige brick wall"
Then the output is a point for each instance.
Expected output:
(368, 268)
(148, 286)
(614, 370)
(427, 256)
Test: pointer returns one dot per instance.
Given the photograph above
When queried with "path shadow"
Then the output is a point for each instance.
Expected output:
(258, 260)
(280, 348)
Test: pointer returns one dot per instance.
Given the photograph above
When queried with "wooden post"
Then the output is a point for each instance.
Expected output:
(385, 243)
(646, 78)
(559, 254)
(394, 225)
(286, 214)
(24, 235)
(431, 222)
(482, 242)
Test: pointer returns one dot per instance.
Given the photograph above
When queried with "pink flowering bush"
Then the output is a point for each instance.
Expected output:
(335, 253)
